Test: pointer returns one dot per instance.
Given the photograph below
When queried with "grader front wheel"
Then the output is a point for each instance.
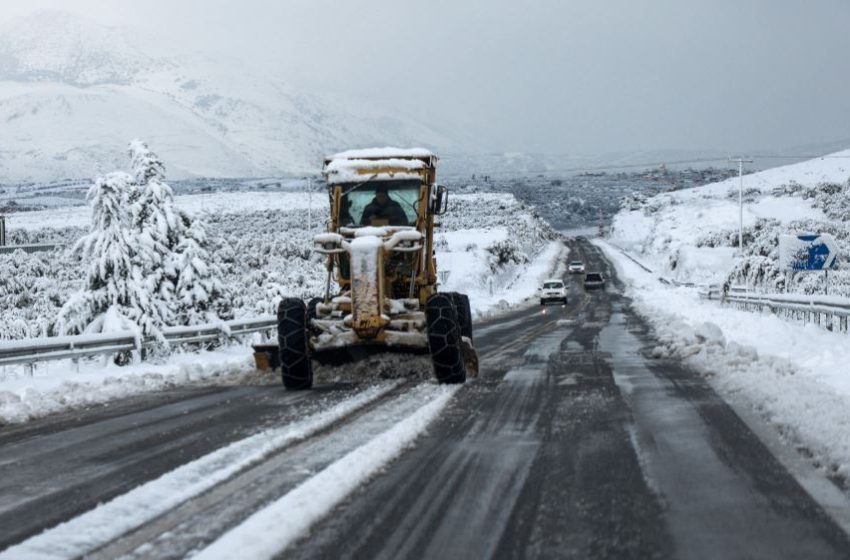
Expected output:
(295, 366)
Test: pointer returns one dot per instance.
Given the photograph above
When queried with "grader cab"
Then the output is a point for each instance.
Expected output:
(381, 292)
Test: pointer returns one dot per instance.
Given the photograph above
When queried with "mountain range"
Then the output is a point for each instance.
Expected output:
(73, 93)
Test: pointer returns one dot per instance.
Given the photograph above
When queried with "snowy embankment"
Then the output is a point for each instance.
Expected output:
(794, 375)
(489, 292)
(262, 246)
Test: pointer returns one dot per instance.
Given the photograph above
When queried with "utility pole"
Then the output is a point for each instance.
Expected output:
(309, 203)
(741, 161)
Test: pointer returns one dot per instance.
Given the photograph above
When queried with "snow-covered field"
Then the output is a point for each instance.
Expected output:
(262, 247)
(793, 375)
(195, 204)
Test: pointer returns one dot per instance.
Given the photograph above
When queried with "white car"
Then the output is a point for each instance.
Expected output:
(576, 267)
(553, 290)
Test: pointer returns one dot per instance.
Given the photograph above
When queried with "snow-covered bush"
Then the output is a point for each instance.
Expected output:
(833, 199)
(633, 201)
(504, 253)
(750, 194)
(757, 271)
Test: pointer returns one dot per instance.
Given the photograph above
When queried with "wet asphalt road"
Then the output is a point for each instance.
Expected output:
(572, 444)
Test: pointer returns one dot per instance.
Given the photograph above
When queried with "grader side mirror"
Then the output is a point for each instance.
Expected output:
(441, 201)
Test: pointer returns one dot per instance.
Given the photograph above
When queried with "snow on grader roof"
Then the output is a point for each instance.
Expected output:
(380, 153)
(378, 164)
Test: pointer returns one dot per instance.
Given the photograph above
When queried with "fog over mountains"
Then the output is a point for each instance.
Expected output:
(73, 93)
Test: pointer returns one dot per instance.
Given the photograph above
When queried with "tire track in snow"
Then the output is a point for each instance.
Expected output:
(199, 522)
(262, 535)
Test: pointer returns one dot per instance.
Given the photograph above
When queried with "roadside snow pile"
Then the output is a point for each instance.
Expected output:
(692, 235)
(61, 385)
(795, 377)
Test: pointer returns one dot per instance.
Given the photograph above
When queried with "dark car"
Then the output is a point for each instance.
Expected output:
(594, 281)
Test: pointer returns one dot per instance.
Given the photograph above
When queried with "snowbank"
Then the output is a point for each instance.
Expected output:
(52, 387)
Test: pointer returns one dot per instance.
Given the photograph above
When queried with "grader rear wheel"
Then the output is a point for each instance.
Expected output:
(295, 366)
(444, 339)
(464, 314)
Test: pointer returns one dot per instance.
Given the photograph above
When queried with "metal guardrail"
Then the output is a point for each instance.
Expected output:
(62, 347)
(31, 248)
(831, 312)
(631, 257)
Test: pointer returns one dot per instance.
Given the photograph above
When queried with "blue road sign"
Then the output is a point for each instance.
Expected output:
(807, 251)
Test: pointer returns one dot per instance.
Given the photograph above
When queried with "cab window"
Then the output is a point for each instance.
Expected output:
(394, 203)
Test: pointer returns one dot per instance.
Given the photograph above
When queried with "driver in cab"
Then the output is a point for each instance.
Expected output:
(383, 211)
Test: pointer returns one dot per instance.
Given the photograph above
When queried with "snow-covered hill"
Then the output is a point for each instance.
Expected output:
(72, 93)
(692, 234)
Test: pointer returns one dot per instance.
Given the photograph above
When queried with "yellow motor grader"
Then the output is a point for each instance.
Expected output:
(381, 292)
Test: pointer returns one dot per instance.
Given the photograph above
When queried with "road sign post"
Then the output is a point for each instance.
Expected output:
(741, 161)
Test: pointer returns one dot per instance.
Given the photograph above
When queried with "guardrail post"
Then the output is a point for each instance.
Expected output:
(223, 333)
(139, 343)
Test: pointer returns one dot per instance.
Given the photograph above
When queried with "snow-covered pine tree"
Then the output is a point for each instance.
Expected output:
(154, 218)
(181, 275)
(115, 296)
(145, 164)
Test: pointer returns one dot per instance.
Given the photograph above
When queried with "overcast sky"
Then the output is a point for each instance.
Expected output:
(548, 75)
